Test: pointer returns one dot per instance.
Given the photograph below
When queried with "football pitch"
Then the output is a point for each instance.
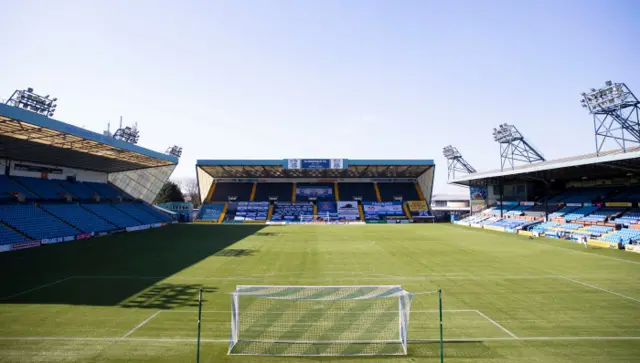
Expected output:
(133, 297)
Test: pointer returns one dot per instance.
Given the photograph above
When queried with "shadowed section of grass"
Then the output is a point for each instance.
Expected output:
(156, 254)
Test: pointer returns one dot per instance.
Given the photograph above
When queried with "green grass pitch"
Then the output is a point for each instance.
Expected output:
(133, 297)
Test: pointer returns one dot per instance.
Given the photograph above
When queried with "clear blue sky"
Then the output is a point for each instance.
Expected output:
(343, 79)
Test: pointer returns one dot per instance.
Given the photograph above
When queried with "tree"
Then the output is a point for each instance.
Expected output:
(170, 192)
(191, 191)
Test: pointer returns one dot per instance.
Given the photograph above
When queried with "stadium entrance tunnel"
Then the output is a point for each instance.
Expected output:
(129, 270)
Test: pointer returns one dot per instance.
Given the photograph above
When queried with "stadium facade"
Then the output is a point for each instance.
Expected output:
(315, 190)
(59, 182)
(593, 197)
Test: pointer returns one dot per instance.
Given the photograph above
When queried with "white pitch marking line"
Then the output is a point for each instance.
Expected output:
(110, 339)
(34, 289)
(141, 324)
(601, 289)
(280, 312)
(496, 324)
(392, 277)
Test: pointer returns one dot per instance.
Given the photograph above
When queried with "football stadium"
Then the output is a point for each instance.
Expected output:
(313, 259)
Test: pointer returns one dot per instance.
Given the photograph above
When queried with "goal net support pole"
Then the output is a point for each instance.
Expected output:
(320, 320)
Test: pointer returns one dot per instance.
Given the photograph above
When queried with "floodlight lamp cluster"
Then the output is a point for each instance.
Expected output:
(451, 152)
(127, 134)
(604, 99)
(29, 100)
(174, 150)
(506, 133)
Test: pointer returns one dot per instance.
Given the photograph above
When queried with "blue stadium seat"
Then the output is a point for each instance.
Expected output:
(622, 236)
(78, 189)
(210, 212)
(78, 217)
(9, 236)
(45, 188)
(162, 217)
(139, 214)
(8, 186)
(579, 213)
(112, 214)
(104, 190)
(35, 222)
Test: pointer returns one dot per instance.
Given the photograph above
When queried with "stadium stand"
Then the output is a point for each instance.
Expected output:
(154, 212)
(351, 191)
(80, 218)
(320, 191)
(104, 190)
(597, 231)
(211, 212)
(562, 212)
(622, 236)
(35, 222)
(143, 216)
(113, 215)
(390, 191)
(78, 189)
(44, 188)
(543, 227)
(8, 236)
(579, 213)
(518, 211)
(9, 186)
(251, 211)
(539, 210)
(602, 215)
(267, 191)
(232, 191)
(284, 211)
(629, 218)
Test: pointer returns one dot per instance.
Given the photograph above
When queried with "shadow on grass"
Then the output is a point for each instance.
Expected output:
(118, 270)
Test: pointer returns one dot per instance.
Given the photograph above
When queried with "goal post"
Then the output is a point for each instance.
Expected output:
(320, 320)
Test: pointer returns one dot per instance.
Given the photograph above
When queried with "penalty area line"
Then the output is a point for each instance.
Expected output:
(141, 324)
(496, 324)
(600, 288)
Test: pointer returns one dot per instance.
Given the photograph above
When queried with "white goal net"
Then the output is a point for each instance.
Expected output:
(319, 320)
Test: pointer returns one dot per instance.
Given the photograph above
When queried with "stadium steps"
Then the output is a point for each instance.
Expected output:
(253, 192)
(26, 187)
(406, 211)
(213, 187)
(270, 213)
(375, 186)
(419, 192)
(336, 191)
(58, 218)
(224, 211)
(20, 233)
(361, 210)
(293, 193)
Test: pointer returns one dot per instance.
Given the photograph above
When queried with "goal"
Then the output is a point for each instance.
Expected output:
(319, 320)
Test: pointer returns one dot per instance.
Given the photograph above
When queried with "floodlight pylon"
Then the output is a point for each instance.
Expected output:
(31, 101)
(616, 115)
(514, 147)
(455, 162)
